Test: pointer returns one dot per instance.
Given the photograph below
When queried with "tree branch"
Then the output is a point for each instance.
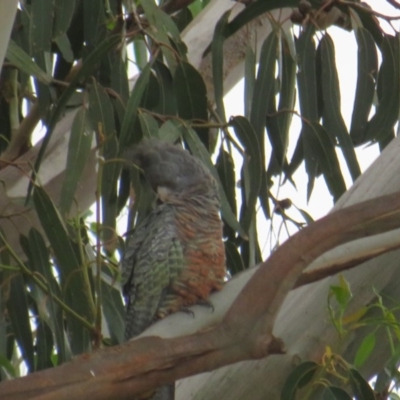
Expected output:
(244, 333)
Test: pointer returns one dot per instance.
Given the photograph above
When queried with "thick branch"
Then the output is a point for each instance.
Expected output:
(244, 333)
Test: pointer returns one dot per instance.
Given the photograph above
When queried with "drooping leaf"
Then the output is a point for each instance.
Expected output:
(141, 54)
(41, 26)
(63, 12)
(64, 46)
(323, 151)
(335, 393)
(149, 125)
(119, 80)
(18, 312)
(44, 346)
(102, 118)
(127, 134)
(217, 47)
(286, 101)
(226, 171)
(307, 86)
(248, 138)
(191, 97)
(70, 268)
(250, 63)
(17, 56)
(163, 27)
(78, 151)
(361, 388)
(36, 250)
(364, 350)
(332, 118)
(365, 89)
(166, 104)
(93, 23)
(6, 365)
(234, 261)
(300, 376)
(170, 131)
(388, 89)
(265, 84)
(114, 312)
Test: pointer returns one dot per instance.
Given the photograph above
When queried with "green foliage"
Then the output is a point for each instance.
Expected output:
(61, 297)
(336, 378)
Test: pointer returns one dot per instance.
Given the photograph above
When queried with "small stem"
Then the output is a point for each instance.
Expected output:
(44, 287)
(85, 271)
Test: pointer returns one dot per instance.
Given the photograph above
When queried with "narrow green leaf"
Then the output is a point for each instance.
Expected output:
(287, 96)
(234, 261)
(298, 377)
(370, 23)
(24, 62)
(332, 118)
(127, 134)
(361, 388)
(250, 63)
(162, 27)
(94, 23)
(297, 159)
(365, 89)
(263, 96)
(322, 150)
(166, 104)
(306, 81)
(36, 250)
(249, 140)
(18, 312)
(78, 150)
(7, 366)
(44, 346)
(170, 131)
(335, 393)
(151, 95)
(63, 13)
(149, 125)
(55, 232)
(364, 350)
(41, 26)
(226, 171)
(265, 84)
(78, 295)
(4, 323)
(382, 123)
(102, 117)
(191, 96)
(141, 54)
(64, 45)
(342, 292)
(217, 52)
(114, 312)
(307, 217)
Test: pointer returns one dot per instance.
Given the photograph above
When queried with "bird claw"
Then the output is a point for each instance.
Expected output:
(206, 303)
(203, 302)
(187, 311)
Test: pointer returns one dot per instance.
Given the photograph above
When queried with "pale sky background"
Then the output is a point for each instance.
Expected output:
(320, 202)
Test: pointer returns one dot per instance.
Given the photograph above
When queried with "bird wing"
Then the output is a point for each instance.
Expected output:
(152, 260)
